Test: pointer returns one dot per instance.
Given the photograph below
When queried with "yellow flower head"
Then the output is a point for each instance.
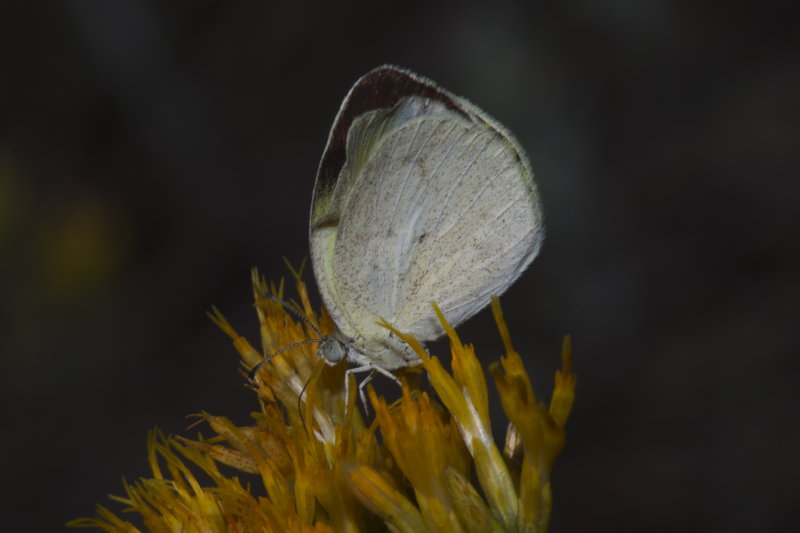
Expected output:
(310, 463)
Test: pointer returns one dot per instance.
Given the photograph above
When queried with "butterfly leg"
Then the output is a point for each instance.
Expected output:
(356, 370)
(371, 375)
(362, 386)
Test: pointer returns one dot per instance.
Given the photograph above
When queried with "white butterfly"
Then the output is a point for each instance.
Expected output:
(420, 197)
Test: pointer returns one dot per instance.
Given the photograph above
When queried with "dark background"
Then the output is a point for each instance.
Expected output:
(151, 153)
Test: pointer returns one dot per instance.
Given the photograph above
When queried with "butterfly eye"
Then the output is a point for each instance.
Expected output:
(332, 351)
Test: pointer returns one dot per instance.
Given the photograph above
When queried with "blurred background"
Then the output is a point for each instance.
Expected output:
(151, 153)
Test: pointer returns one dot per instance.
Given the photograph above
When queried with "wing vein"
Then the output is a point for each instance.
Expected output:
(446, 202)
(488, 184)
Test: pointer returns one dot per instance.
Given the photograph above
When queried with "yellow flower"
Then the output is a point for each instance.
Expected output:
(310, 463)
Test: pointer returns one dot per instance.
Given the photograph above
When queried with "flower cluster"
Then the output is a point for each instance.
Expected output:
(311, 463)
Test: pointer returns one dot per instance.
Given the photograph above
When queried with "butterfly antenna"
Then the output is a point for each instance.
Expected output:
(300, 404)
(294, 311)
(251, 376)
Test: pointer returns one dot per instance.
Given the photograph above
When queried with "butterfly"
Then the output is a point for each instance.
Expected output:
(420, 197)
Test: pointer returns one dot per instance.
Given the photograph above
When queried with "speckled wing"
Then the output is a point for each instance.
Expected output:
(420, 197)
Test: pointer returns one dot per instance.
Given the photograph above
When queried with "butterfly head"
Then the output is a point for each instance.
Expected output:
(332, 350)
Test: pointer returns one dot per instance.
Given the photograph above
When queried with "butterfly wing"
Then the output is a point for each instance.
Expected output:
(420, 197)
